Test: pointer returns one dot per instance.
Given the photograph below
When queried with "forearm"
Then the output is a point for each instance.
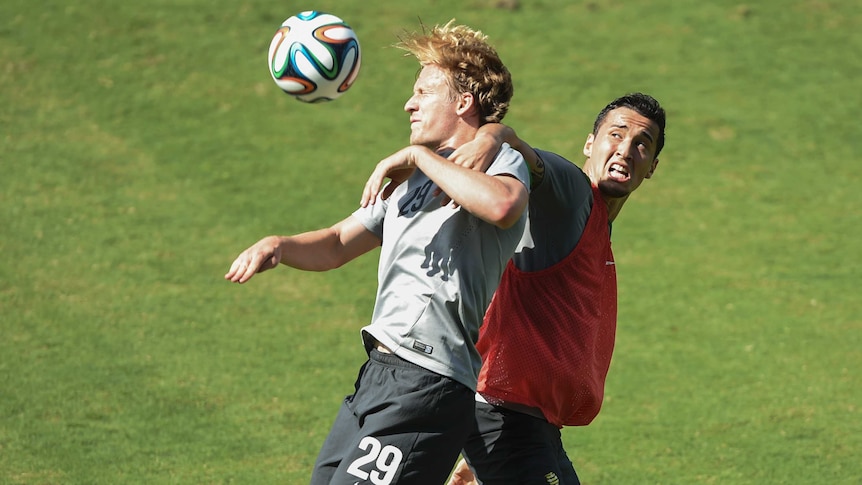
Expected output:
(329, 248)
(499, 200)
(319, 250)
(310, 251)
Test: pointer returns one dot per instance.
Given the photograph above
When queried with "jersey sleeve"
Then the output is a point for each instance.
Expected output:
(510, 162)
(565, 184)
(372, 216)
(559, 208)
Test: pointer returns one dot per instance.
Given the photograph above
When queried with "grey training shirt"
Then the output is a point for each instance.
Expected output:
(439, 267)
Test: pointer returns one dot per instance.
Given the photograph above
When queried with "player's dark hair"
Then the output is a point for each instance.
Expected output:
(643, 104)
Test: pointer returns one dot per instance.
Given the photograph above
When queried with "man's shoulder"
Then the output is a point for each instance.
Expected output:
(509, 161)
(562, 171)
(557, 160)
(508, 153)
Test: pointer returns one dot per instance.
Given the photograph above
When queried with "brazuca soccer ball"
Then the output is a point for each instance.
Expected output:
(314, 56)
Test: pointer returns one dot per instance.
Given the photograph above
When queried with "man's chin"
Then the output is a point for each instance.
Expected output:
(613, 189)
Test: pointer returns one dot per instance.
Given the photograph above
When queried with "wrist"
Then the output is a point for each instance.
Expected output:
(493, 132)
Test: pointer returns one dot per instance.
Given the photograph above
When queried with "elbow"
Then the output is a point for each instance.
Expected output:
(334, 259)
(336, 263)
(509, 220)
(326, 260)
(322, 266)
(507, 214)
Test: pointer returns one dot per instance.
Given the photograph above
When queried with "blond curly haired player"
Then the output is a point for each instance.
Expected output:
(413, 402)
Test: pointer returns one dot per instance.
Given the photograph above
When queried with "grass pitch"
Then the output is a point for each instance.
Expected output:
(143, 145)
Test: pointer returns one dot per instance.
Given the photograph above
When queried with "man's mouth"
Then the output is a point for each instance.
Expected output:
(618, 172)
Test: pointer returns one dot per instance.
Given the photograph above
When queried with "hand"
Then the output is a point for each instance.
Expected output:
(462, 475)
(477, 154)
(397, 167)
(264, 255)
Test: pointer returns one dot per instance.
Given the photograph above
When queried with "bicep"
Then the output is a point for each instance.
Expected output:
(353, 239)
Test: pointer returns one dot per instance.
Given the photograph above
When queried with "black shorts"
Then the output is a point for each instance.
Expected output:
(510, 448)
(404, 424)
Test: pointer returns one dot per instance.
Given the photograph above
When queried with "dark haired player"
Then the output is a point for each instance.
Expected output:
(548, 336)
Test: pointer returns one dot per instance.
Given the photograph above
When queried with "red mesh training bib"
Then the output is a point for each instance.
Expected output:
(548, 335)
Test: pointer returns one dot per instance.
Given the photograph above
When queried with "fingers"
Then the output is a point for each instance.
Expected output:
(372, 188)
(233, 271)
(369, 193)
(460, 156)
(394, 167)
(464, 155)
(375, 181)
(476, 155)
(262, 256)
(462, 475)
(242, 269)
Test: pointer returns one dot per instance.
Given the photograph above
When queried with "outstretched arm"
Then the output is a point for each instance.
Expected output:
(319, 250)
(499, 200)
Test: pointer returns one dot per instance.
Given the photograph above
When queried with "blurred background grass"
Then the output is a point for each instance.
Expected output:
(143, 145)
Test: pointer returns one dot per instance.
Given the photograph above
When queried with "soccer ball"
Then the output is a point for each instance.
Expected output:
(314, 56)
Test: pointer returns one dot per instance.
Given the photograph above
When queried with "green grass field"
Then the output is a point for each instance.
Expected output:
(143, 146)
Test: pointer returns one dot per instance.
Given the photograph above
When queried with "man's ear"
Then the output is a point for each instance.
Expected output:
(588, 145)
(652, 168)
(465, 103)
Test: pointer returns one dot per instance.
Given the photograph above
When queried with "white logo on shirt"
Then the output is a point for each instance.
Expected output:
(417, 345)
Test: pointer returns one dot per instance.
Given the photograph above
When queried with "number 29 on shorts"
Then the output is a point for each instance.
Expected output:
(385, 459)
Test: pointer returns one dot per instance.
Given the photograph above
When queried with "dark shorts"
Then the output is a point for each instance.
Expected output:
(404, 424)
(507, 447)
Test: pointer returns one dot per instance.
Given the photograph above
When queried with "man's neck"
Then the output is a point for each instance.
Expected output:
(463, 132)
(615, 205)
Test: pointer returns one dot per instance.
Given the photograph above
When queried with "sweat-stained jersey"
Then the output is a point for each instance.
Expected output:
(439, 267)
(548, 335)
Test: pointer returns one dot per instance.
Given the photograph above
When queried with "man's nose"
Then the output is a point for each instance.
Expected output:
(410, 105)
(624, 148)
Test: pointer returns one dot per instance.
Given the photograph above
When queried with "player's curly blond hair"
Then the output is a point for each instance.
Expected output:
(472, 63)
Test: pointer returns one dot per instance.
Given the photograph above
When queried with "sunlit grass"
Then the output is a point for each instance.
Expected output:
(143, 145)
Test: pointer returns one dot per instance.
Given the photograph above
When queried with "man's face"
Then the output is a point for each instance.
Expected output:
(433, 111)
(622, 154)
